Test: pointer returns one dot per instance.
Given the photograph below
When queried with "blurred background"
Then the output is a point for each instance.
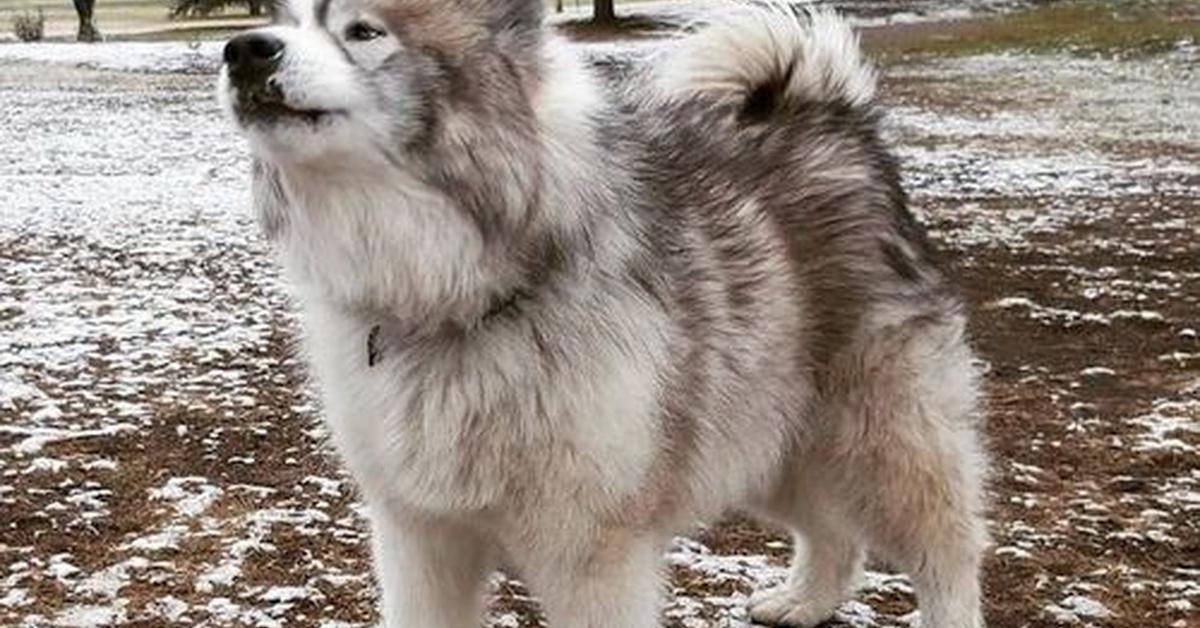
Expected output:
(183, 19)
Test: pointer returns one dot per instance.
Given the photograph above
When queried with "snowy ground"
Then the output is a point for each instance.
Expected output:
(161, 462)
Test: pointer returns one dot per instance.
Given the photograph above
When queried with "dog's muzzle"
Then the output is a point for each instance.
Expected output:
(252, 61)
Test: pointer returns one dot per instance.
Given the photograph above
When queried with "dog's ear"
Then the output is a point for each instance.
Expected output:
(520, 16)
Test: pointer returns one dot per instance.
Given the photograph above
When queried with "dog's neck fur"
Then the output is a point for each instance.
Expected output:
(384, 246)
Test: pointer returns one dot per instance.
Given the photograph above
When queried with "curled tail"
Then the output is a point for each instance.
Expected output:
(773, 51)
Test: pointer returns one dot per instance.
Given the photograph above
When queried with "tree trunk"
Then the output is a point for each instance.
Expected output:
(603, 12)
(87, 23)
(255, 8)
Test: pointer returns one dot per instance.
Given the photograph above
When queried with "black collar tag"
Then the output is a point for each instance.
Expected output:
(374, 352)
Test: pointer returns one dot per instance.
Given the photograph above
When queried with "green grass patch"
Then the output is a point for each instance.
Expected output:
(1089, 27)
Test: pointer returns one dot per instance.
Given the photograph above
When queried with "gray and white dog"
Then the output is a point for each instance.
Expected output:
(554, 324)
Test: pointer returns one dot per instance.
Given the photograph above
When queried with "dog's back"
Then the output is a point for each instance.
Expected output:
(759, 137)
(767, 193)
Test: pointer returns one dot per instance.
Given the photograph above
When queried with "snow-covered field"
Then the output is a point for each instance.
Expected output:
(162, 461)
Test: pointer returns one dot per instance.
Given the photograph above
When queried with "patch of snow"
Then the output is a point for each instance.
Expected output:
(284, 594)
(13, 390)
(1097, 372)
(1046, 314)
(158, 57)
(99, 464)
(39, 437)
(15, 597)
(1076, 608)
(325, 486)
(47, 465)
(1167, 423)
(1013, 551)
(165, 539)
(507, 620)
(109, 581)
(222, 575)
(222, 609)
(60, 568)
(191, 495)
(91, 616)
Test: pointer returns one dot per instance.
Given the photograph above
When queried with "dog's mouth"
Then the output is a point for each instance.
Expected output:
(277, 111)
(268, 106)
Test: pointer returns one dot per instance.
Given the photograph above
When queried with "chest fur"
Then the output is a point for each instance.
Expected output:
(467, 423)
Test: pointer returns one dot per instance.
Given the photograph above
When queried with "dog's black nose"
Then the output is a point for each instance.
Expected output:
(253, 56)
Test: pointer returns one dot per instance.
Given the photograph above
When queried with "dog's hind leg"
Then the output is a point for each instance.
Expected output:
(827, 563)
(924, 518)
(912, 464)
(431, 574)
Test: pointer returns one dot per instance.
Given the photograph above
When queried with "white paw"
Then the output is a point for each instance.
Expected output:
(784, 606)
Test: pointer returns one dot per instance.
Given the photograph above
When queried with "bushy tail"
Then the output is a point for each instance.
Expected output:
(796, 54)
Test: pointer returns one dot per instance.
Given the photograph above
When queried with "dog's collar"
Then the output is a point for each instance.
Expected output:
(501, 306)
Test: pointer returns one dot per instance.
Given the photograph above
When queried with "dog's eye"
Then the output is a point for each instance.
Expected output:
(362, 31)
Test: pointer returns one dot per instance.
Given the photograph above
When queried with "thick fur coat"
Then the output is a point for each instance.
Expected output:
(555, 323)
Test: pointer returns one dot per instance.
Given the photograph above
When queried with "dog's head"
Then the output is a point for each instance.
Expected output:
(400, 145)
(331, 79)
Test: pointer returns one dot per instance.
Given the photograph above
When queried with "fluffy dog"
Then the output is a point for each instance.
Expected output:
(555, 322)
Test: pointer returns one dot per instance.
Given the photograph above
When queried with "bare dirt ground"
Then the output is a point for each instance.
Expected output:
(161, 457)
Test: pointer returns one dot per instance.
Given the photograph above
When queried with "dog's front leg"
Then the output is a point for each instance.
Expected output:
(614, 585)
(432, 574)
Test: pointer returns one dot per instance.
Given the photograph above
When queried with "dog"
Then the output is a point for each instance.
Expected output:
(556, 321)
